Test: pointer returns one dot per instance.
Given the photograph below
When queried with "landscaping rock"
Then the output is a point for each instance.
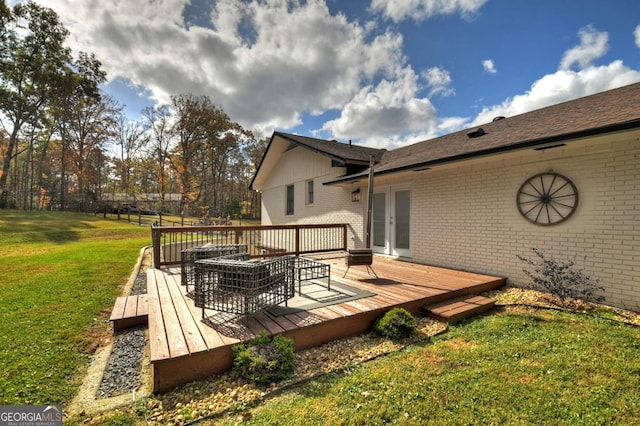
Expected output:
(123, 372)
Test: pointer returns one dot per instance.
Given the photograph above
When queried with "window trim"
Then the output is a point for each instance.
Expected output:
(289, 203)
(310, 187)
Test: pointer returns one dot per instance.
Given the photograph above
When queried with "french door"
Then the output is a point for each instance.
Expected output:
(391, 221)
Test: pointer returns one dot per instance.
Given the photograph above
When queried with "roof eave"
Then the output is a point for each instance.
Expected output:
(567, 137)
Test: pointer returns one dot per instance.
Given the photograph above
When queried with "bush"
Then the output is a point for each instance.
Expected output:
(263, 360)
(395, 324)
(561, 279)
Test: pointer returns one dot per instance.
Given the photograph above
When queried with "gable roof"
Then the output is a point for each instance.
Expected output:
(605, 112)
(342, 153)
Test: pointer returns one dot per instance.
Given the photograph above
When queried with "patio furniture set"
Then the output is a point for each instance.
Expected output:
(225, 279)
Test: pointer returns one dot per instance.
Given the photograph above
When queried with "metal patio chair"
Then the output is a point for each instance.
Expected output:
(208, 251)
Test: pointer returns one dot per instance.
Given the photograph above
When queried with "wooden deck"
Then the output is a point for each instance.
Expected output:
(183, 348)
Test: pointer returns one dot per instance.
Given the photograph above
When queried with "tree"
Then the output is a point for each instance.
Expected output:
(221, 160)
(5, 18)
(129, 142)
(84, 119)
(254, 153)
(32, 57)
(92, 124)
(157, 124)
(193, 114)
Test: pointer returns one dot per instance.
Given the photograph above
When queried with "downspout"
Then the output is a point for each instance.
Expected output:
(370, 202)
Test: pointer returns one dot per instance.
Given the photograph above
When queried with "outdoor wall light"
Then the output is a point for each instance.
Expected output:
(355, 195)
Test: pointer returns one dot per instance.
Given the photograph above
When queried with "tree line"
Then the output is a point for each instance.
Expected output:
(67, 145)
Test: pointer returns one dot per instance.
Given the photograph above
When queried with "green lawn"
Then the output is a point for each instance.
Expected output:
(60, 274)
(522, 367)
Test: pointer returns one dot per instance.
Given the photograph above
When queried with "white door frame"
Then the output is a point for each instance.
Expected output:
(388, 241)
(380, 221)
(395, 251)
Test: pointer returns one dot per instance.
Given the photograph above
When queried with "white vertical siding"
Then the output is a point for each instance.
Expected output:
(332, 204)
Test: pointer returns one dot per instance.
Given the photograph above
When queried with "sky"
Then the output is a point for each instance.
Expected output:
(383, 73)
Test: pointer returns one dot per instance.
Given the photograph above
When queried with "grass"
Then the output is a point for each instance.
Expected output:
(61, 273)
(520, 366)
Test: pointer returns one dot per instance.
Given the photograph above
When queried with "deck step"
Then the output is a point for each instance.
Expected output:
(456, 310)
(130, 311)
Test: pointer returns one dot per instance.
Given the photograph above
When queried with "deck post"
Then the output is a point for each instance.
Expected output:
(344, 237)
(155, 238)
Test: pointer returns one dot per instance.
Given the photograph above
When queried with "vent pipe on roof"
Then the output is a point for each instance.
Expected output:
(476, 133)
(498, 118)
(349, 142)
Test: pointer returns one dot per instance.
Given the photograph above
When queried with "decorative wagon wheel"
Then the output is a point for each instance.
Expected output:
(547, 199)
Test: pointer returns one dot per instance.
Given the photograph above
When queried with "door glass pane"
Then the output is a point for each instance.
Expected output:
(379, 220)
(402, 222)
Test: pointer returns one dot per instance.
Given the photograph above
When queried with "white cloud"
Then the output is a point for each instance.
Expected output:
(438, 81)
(386, 114)
(636, 34)
(566, 84)
(562, 86)
(265, 62)
(419, 10)
(593, 44)
(489, 66)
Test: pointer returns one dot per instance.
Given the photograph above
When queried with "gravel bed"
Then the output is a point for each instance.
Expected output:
(140, 284)
(123, 371)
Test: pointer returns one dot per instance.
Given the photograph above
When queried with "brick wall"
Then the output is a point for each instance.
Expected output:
(465, 215)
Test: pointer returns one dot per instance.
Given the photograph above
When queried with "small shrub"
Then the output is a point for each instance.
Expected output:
(561, 279)
(395, 324)
(263, 360)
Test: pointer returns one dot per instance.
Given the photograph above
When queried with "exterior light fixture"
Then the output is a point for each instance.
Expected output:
(355, 195)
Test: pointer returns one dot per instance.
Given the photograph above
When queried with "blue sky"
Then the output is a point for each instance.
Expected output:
(380, 72)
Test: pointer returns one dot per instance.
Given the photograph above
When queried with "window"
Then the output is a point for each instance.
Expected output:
(289, 206)
(309, 192)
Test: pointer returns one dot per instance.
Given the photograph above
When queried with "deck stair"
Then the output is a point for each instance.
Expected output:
(455, 310)
(130, 311)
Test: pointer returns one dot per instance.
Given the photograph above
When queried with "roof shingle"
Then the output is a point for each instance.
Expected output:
(347, 152)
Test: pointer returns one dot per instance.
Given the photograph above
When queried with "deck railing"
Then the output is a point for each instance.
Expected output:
(261, 241)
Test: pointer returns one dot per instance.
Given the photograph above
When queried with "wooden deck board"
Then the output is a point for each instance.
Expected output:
(118, 308)
(268, 323)
(175, 337)
(131, 307)
(191, 332)
(212, 337)
(129, 311)
(158, 345)
(143, 305)
(184, 348)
